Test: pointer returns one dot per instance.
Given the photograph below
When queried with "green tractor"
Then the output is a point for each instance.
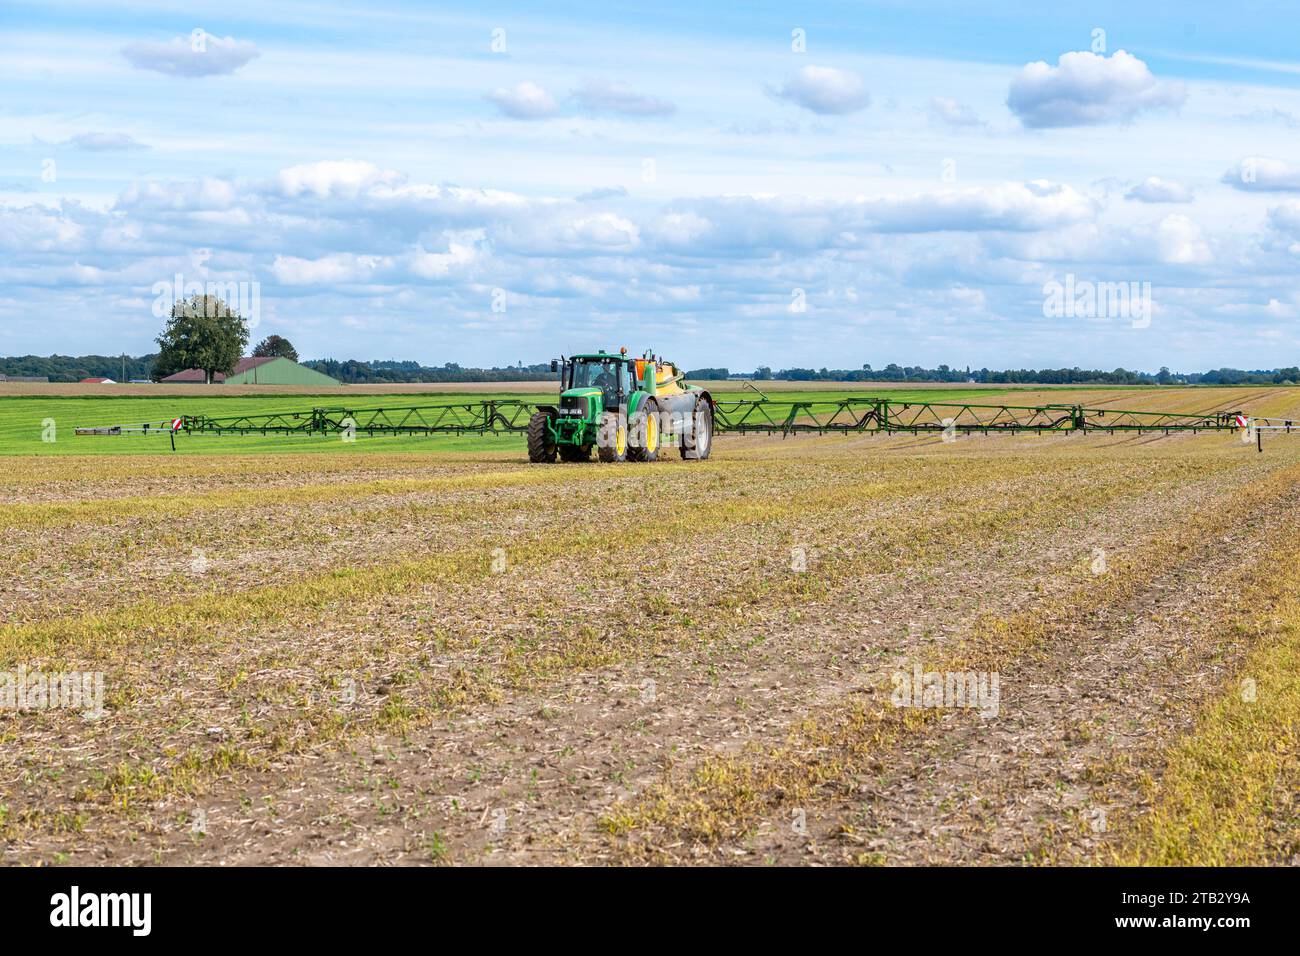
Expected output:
(626, 409)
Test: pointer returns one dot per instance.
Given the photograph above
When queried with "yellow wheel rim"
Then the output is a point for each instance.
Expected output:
(620, 440)
(651, 434)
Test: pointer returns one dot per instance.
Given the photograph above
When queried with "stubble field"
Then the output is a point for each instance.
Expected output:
(413, 653)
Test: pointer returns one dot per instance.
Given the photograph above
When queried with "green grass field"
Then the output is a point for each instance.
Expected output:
(24, 419)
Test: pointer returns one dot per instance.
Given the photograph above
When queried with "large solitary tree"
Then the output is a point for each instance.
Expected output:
(203, 332)
(276, 346)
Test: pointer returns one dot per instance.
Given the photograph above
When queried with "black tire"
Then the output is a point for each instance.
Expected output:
(643, 437)
(611, 438)
(697, 445)
(575, 452)
(541, 447)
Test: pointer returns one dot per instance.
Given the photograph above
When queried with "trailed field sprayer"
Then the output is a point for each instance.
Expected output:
(624, 408)
(632, 409)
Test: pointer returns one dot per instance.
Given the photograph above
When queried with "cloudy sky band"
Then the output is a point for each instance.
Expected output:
(920, 197)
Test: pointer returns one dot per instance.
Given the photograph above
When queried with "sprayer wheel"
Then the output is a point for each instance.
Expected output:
(697, 445)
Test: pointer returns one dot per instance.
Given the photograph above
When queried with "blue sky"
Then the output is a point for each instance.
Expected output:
(783, 184)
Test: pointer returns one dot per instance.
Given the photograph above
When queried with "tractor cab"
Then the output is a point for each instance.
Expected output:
(585, 376)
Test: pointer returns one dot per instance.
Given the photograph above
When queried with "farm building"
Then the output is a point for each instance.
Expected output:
(259, 371)
(98, 381)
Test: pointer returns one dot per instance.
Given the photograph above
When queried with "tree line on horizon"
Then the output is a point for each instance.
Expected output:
(1025, 376)
(67, 368)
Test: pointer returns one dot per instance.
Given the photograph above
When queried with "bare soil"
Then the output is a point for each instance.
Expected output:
(498, 668)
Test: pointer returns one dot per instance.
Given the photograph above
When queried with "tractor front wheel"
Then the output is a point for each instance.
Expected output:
(575, 453)
(541, 446)
(611, 438)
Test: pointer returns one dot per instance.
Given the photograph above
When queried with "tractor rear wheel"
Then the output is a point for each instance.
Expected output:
(575, 453)
(644, 439)
(541, 446)
(611, 438)
(699, 442)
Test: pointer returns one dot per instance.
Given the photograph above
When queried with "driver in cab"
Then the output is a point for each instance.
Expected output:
(607, 382)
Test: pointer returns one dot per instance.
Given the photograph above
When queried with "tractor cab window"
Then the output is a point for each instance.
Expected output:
(605, 374)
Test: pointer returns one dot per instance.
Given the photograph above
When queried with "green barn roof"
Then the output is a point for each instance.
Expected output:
(276, 371)
(259, 371)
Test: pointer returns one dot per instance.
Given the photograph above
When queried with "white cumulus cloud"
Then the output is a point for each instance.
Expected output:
(1286, 217)
(103, 142)
(607, 96)
(201, 54)
(344, 178)
(558, 234)
(1261, 174)
(327, 270)
(526, 101)
(826, 90)
(462, 251)
(746, 225)
(1179, 241)
(208, 193)
(1155, 189)
(1085, 89)
(946, 110)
